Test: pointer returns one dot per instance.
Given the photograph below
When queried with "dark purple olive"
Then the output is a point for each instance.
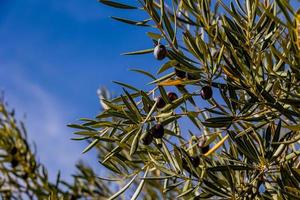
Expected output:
(160, 102)
(191, 76)
(195, 161)
(206, 92)
(147, 139)
(172, 96)
(204, 149)
(158, 131)
(184, 164)
(25, 176)
(159, 145)
(13, 151)
(160, 52)
(179, 73)
(14, 163)
(75, 197)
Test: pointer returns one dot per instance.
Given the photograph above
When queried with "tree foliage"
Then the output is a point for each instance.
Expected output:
(23, 177)
(222, 120)
(241, 143)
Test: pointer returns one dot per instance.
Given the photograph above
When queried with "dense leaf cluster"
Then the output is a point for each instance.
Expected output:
(241, 139)
(23, 177)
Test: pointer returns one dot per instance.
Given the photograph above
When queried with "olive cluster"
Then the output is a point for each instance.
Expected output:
(195, 160)
(160, 52)
(172, 96)
(157, 131)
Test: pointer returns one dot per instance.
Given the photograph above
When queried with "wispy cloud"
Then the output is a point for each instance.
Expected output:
(46, 119)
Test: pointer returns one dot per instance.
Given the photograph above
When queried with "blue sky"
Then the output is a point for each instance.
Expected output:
(53, 57)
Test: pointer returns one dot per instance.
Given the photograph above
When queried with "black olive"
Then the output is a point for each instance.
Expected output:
(147, 139)
(185, 164)
(204, 148)
(13, 151)
(159, 145)
(160, 52)
(25, 176)
(74, 197)
(191, 76)
(158, 131)
(172, 96)
(179, 73)
(160, 102)
(14, 163)
(195, 161)
(206, 92)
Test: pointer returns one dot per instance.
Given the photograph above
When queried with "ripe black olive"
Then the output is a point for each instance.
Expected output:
(25, 176)
(206, 92)
(191, 76)
(159, 145)
(160, 102)
(147, 139)
(14, 163)
(204, 149)
(158, 131)
(195, 161)
(184, 164)
(160, 52)
(179, 73)
(172, 96)
(75, 197)
(13, 151)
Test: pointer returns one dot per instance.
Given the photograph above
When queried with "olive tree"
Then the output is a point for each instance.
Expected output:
(222, 120)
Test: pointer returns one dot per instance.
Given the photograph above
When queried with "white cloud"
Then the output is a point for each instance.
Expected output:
(46, 119)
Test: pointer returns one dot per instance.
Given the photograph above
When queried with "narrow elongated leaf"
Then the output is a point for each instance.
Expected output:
(140, 52)
(154, 36)
(140, 187)
(135, 142)
(131, 22)
(116, 4)
(143, 72)
(293, 127)
(91, 145)
(218, 145)
(171, 82)
(123, 189)
(230, 167)
(127, 86)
